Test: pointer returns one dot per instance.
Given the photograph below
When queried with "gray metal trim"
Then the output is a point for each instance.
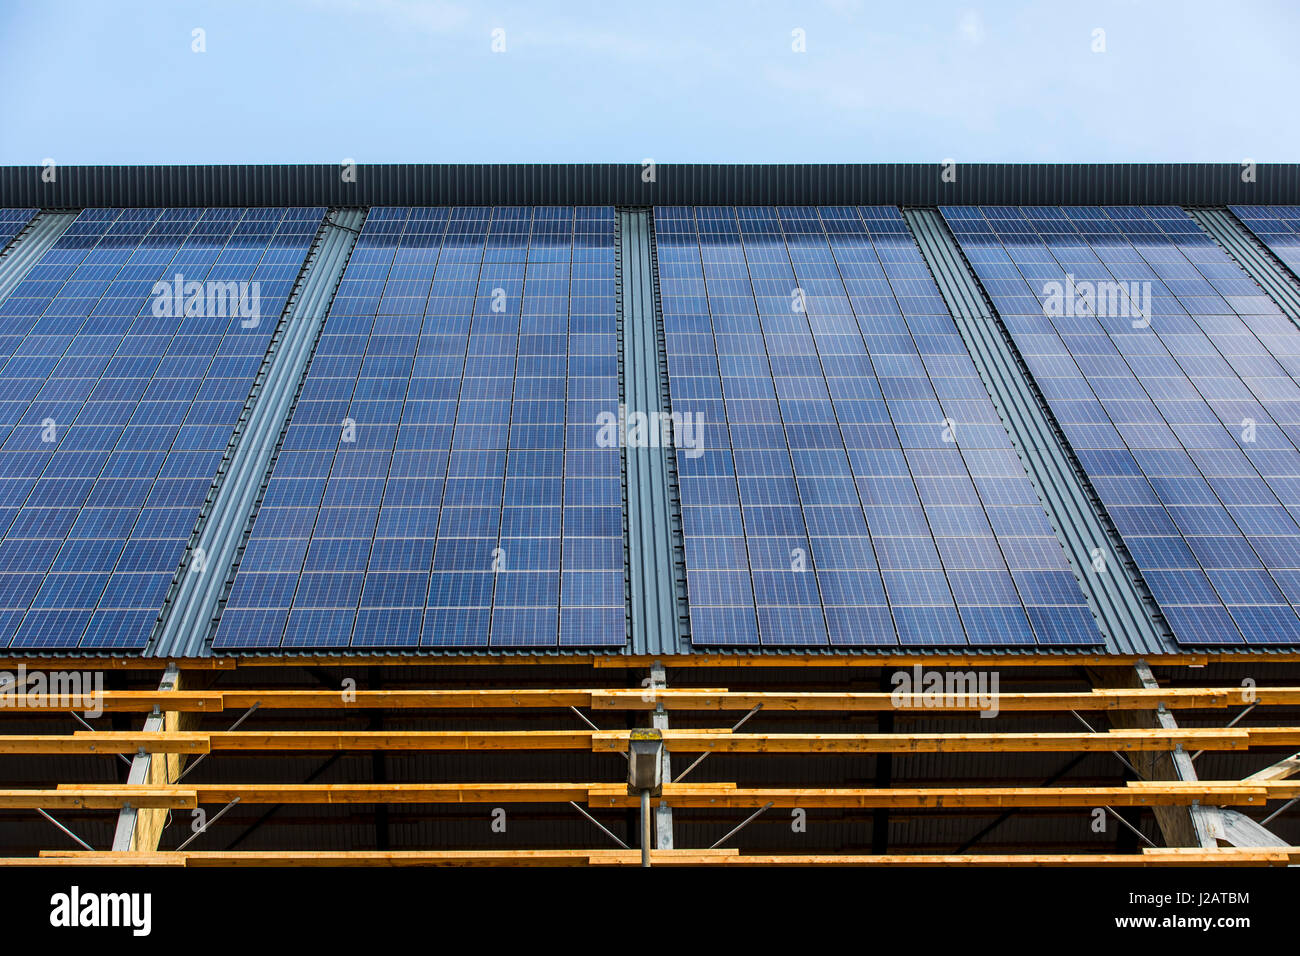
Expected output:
(658, 680)
(1253, 255)
(190, 614)
(1126, 612)
(29, 246)
(652, 571)
(921, 184)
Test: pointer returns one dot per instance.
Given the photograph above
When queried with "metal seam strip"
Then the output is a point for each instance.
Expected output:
(1253, 256)
(27, 248)
(652, 575)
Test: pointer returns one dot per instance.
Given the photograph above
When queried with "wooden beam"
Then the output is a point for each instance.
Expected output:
(1277, 789)
(97, 859)
(403, 699)
(101, 797)
(125, 701)
(1190, 827)
(935, 798)
(1183, 698)
(139, 827)
(688, 741)
(105, 742)
(1140, 740)
(1279, 771)
(1150, 858)
(391, 793)
(706, 796)
(698, 699)
(423, 740)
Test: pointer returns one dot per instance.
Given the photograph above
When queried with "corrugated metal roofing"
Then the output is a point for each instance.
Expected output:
(652, 572)
(917, 184)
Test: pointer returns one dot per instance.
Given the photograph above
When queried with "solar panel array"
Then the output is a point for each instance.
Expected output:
(1173, 376)
(855, 485)
(120, 386)
(1278, 227)
(442, 482)
(12, 222)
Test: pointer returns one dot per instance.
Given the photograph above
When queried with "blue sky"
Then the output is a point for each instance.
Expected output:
(405, 81)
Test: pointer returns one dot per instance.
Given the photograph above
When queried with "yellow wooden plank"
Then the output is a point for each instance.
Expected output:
(102, 797)
(403, 699)
(428, 740)
(1227, 856)
(699, 698)
(1120, 740)
(1099, 700)
(705, 796)
(105, 742)
(940, 797)
(120, 701)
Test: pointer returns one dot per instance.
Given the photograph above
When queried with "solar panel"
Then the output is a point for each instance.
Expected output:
(1278, 227)
(1172, 375)
(855, 485)
(12, 222)
(126, 358)
(441, 483)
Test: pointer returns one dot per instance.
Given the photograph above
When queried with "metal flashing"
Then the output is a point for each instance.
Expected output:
(655, 575)
(29, 246)
(649, 183)
(1254, 257)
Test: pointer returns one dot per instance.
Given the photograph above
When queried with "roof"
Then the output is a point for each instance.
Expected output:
(822, 412)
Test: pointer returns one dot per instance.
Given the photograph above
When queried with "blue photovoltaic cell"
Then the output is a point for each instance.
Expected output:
(1173, 377)
(856, 486)
(442, 482)
(1278, 227)
(117, 401)
(12, 222)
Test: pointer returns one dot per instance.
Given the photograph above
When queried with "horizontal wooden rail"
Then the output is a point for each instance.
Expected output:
(90, 742)
(701, 698)
(105, 742)
(1227, 856)
(100, 797)
(935, 798)
(939, 703)
(678, 741)
(1115, 740)
(699, 796)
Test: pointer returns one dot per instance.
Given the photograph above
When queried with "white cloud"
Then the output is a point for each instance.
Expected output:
(971, 28)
